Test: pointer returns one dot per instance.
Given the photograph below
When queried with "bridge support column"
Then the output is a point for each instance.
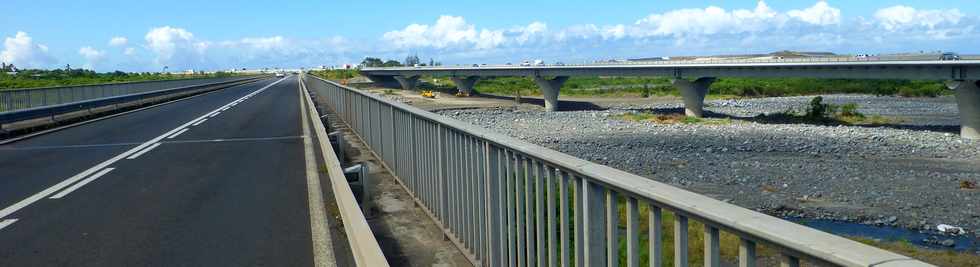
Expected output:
(693, 94)
(968, 102)
(465, 84)
(550, 89)
(407, 83)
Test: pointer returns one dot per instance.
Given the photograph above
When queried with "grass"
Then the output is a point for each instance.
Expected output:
(936, 257)
(725, 87)
(829, 114)
(50, 78)
(670, 119)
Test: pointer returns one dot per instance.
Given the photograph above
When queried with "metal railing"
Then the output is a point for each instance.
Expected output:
(17, 99)
(971, 59)
(58, 109)
(363, 245)
(506, 202)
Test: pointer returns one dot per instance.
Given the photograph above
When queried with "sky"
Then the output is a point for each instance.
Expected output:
(219, 35)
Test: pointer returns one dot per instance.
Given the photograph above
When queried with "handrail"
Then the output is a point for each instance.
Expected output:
(692, 63)
(363, 245)
(481, 186)
(53, 110)
(19, 99)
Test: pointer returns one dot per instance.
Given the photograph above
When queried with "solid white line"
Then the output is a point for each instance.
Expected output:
(322, 245)
(54, 188)
(138, 154)
(178, 133)
(199, 122)
(7, 222)
(215, 114)
(82, 183)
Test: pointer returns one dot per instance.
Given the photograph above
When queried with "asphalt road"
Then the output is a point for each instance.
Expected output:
(140, 190)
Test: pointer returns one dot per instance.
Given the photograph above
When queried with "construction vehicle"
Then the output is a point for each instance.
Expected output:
(428, 94)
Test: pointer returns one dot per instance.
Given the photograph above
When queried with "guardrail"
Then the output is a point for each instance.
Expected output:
(506, 202)
(696, 62)
(363, 245)
(51, 111)
(17, 99)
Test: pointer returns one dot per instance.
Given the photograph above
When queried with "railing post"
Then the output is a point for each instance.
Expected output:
(632, 232)
(680, 240)
(593, 223)
(612, 228)
(712, 248)
(746, 253)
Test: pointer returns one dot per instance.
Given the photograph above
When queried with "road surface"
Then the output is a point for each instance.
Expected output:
(214, 180)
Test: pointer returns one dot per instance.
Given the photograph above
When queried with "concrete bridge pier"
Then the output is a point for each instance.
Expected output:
(550, 89)
(407, 82)
(693, 94)
(465, 84)
(968, 102)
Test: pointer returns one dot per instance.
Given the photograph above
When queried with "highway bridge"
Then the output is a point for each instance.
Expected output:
(693, 78)
(229, 174)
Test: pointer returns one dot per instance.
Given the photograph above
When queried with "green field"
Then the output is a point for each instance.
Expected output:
(50, 78)
(661, 86)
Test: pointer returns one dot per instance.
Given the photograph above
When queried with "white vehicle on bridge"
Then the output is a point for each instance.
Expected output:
(949, 56)
(525, 63)
(280, 74)
(539, 62)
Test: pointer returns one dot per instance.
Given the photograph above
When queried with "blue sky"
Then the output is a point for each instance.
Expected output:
(229, 34)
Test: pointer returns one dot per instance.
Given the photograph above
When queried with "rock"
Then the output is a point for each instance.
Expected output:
(948, 243)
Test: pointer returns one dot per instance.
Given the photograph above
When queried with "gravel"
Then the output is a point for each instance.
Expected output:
(904, 175)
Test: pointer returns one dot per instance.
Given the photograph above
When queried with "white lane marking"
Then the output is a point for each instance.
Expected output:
(82, 183)
(138, 154)
(322, 245)
(178, 133)
(54, 188)
(199, 122)
(215, 114)
(7, 222)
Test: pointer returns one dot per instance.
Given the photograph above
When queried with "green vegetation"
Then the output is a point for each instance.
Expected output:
(670, 119)
(59, 77)
(740, 87)
(936, 257)
(829, 114)
(335, 74)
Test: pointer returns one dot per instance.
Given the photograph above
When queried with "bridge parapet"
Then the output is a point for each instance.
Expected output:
(506, 202)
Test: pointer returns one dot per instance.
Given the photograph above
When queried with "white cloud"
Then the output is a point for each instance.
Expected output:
(708, 21)
(819, 14)
(90, 53)
(454, 32)
(265, 43)
(118, 41)
(23, 52)
(129, 51)
(902, 17)
(176, 47)
(92, 56)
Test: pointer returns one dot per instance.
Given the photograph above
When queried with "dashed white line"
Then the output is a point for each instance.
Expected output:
(199, 122)
(178, 133)
(138, 154)
(57, 187)
(215, 114)
(7, 222)
(82, 183)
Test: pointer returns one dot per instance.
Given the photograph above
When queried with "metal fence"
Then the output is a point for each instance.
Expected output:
(721, 61)
(506, 202)
(18, 99)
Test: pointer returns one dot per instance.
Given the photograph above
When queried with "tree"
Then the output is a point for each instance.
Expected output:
(392, 63)
(412, 60)
(372, 62)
